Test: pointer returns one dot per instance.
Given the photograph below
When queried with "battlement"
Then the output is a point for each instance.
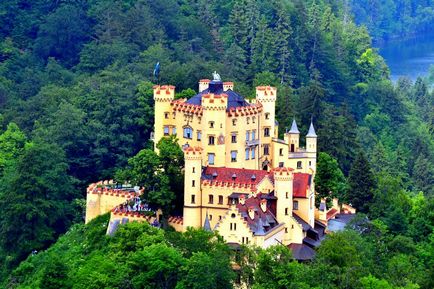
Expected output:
(181, 106)
(245, 110)
(283, 174)
(266, 93)
(164, 92)
(212, 101)
(193, 153)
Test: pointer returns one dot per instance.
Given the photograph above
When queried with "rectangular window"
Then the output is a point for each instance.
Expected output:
(234, 138)
(188, 132)
(295, 205)
(247, 135)
(281, 152)
(235, 226)
(230, 226)
(174, 130)
(253, 134)
(266, 150)
(266, 132)
(220, 200)
(193, 170)
(211, 140)
(234, 122)
(166, 130)
(193, 199)
(166, 115)
(233, 156)
(173, 115)
(210, 217)
(247, 240)
(211, 124)
(211, 199)
(281, 165)
(253, 153)
(247, 154)
(286, 211)
(211, 159)
(199, 135)
(267, 116)
(193, 183)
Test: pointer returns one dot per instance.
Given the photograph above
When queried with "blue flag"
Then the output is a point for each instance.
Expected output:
(157, 70)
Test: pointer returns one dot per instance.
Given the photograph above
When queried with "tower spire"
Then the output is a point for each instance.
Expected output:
(311, 132)
(294, 128)
(207, 224)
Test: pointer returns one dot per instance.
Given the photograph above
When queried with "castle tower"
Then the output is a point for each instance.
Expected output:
(311, 147)
(283, 189)
(266, 95)
(292, 137)
(192, 190)
(164, 119)
(214, 106)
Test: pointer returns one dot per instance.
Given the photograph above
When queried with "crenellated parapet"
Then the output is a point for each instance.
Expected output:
(216, 102)
(283, 174)
(266, 94)
(180, 105)
(164, 93)
(253, 109)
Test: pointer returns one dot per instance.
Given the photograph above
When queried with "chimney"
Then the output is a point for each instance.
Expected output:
(336, 204)
(263, 205)
(252, 212)
(242, 200)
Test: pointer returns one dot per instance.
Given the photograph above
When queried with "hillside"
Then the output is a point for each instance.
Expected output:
(76, 103)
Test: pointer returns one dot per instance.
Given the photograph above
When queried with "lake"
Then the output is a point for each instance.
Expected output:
(410, 58)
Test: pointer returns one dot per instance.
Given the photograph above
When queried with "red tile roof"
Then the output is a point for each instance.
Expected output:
(330, 214)
(243, 176)
(262, 221)
(301, 184)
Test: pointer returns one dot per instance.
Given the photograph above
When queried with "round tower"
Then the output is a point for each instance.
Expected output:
(192, 188)
(283, 189)
(164, 120)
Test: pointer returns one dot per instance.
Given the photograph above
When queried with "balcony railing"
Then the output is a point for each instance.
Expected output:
(252, 142)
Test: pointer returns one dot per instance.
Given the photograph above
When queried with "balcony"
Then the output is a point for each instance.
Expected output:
(254, 142)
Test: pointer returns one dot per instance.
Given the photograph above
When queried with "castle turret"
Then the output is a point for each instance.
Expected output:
(203, 84)
(311, 147)
(164, 118)
(292, 137)
(266, 95)
(283, 189)
(192, 190)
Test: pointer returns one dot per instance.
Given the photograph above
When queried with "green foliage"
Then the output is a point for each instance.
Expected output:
(361, 184)
(329, 179)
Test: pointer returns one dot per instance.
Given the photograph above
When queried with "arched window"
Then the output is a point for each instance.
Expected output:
(188, 132)
(299, 165)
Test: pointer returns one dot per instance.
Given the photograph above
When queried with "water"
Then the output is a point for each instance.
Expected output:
(411, 58)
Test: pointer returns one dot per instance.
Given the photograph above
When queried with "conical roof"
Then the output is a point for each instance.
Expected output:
(207, 225)
(294, 128)
(311, 132)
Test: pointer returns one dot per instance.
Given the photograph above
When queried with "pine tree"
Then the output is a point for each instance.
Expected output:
(361, 184)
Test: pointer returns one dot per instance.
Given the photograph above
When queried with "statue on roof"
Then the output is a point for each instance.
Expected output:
(216, 76)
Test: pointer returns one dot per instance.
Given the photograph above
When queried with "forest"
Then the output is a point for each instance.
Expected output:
(76, 107)
(393, 19)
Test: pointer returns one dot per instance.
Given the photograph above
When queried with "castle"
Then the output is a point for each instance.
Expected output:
(240, 178)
